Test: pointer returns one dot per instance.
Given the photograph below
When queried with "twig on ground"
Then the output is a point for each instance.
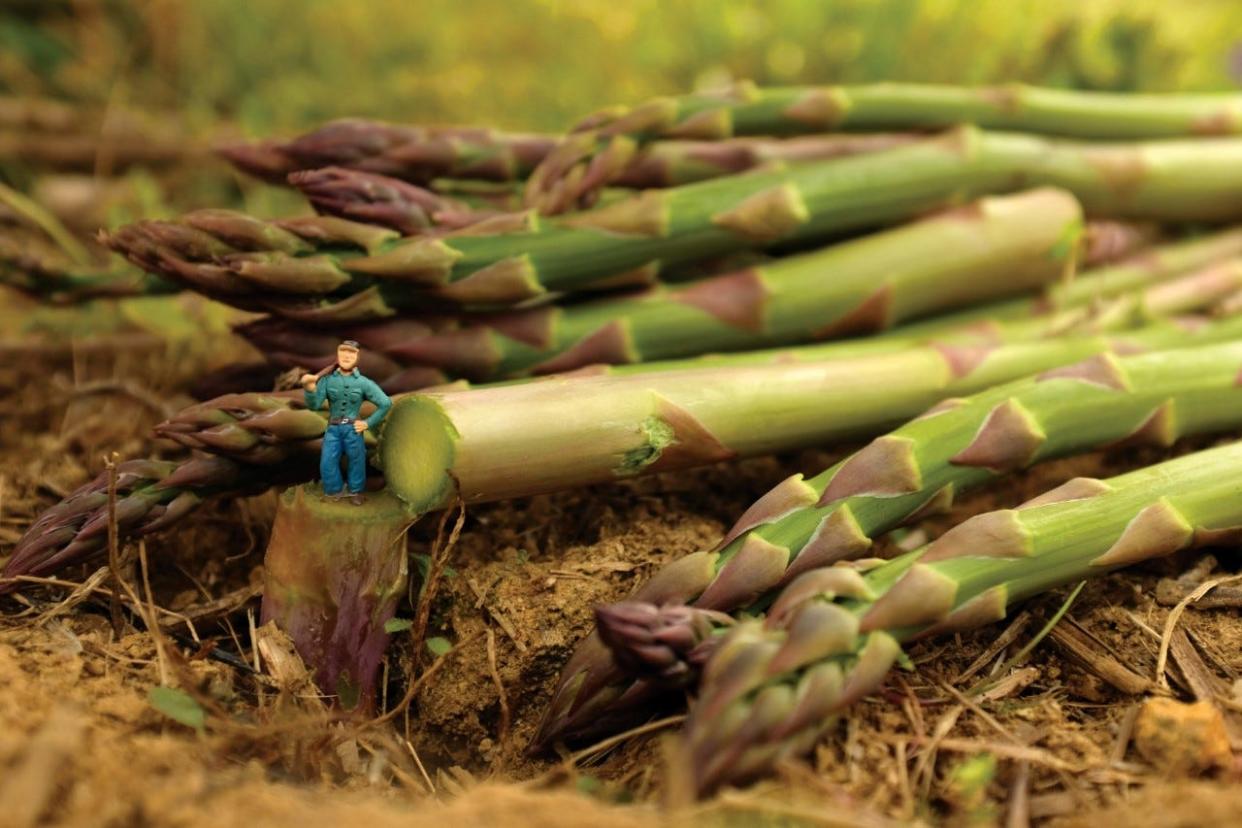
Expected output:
(502, 732)
(1091, 654)
(1175, 615)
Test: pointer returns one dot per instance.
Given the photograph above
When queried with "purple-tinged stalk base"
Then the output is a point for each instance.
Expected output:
(334, 575)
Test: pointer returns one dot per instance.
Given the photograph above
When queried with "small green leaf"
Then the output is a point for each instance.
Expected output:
(396, 625)
(588, 784)
(422, 563)
(439, 646)
(178, 706)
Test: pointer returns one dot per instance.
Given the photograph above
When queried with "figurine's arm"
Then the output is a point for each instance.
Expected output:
(316, 391)
(375, 394)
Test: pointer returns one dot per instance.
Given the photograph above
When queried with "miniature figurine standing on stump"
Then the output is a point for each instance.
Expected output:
(344, 387)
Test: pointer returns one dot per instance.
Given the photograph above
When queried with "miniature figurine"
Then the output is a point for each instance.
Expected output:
(344, 388)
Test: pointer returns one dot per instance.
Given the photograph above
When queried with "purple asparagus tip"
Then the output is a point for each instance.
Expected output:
(666, 643)
(374, 199)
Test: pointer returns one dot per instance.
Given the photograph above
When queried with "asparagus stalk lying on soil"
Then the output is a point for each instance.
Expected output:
(770, 690)
(804, 524)
(151, 495)
(565, 432)
(992, 248)
(430, 438)
(307, 269)
(571, 174)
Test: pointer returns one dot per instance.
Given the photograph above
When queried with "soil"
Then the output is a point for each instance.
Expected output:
(82, 744)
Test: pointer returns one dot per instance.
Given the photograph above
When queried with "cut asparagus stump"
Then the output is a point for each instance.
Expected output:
(770, 690)
(804, 524)
(992, 248)
(571, 173)
(330, 269)
(333, 575)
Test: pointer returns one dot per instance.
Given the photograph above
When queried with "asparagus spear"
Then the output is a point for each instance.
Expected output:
(151, 495)
(310, 270)
(570, 174)
(771, 690)
(60, 283)
(994, 247)
(1143, 270)
(378, 199)
(804, 524)
(654, 421)
(564, 432)
(390, 344)
(423, 154)
(413, 153)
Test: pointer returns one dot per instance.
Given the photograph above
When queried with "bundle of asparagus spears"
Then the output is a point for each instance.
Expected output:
(700, 279)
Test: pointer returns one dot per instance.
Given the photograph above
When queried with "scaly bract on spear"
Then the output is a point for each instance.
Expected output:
(806, 523)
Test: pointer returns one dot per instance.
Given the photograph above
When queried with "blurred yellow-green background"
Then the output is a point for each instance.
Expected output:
(205, 71)
(279, 65)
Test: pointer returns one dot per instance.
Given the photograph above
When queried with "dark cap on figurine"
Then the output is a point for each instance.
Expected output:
(350, 344)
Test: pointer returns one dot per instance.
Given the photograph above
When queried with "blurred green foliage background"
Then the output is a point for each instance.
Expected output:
(275, 66)
(208, 71)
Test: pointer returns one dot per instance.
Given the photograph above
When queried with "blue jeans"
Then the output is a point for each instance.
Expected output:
(336, 439)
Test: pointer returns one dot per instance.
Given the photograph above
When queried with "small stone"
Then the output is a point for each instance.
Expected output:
(1182, 738)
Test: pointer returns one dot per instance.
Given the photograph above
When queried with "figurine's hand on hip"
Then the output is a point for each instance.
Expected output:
(360, 426)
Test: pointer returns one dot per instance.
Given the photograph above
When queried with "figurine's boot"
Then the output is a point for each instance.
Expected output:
(358, 499)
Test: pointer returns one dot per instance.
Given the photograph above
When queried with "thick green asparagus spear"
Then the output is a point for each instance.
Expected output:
(771, 690)
(564, 432)
(571, 174)
(804, 524)
(656, 423)
(996, 246)
(308, 270)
